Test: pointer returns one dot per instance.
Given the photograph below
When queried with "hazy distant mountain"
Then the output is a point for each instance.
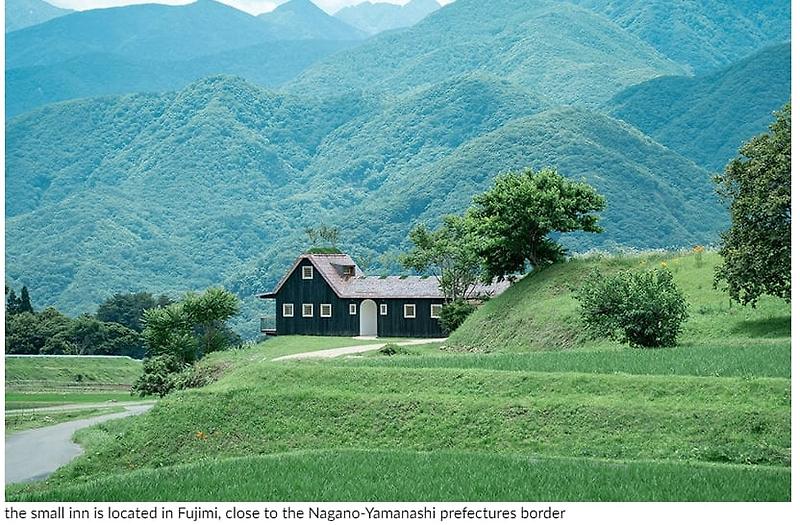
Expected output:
(24, 13)
(564, 54)
(299, 19)
(708, 118)
(704, 34)
(138, 32)
(379, 16)
(266, 64)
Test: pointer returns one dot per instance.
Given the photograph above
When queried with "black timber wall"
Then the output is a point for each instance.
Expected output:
(316, 291)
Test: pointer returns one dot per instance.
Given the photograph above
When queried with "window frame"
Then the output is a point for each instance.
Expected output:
(384, 309)
(303, 310)
(414, 311)
(291, 307)
(310, 272)
(353, 309)
(440, 306)
(322, 310)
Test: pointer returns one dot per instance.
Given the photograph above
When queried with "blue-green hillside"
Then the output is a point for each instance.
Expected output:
(702, 34)
(708, 118)
(25, 13)
(302, 19)
(376, 17)
(564, 54)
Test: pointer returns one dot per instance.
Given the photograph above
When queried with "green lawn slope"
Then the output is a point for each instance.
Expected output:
(588, 420)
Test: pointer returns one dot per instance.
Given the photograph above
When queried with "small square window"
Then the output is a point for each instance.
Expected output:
(353, 309)
(308, 272)
(409, 311)
(325, 310)
(288, 310)
(384, 309)
(436, 311)
(308, 310)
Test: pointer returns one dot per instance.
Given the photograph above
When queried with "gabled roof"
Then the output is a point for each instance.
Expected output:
(360, 286)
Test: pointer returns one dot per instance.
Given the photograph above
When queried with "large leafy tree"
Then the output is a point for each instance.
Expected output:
(756, 250)
(127, 308)
(517, 215)
(449, 253)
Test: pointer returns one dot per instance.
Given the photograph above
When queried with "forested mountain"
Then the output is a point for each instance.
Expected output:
(564, 54)
(142, 32)
(267, 64)
(708, 118)
(191, 188)
(377, 17)
(703, 34)
(301, 19)
(24, 13)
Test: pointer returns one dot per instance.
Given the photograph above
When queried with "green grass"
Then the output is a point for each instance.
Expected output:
(707, 420)
(755, 359)
(60, 373)
(22, 400)
(381, 475)
(16, 422)
(540, 312)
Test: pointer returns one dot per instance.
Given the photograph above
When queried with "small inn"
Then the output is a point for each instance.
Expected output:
(328, 294)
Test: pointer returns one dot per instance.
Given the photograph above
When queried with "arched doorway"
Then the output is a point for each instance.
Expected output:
(368, 318)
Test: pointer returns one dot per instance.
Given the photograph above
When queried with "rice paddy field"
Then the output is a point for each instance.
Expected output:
(518, 405)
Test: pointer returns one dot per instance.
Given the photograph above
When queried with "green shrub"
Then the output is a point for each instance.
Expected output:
(639, 307)
(161, 374)
(390, 349)
(455, 313)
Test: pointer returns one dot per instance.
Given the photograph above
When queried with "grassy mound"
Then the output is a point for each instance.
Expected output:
(540, 312)
(56, 372)
(380, 475)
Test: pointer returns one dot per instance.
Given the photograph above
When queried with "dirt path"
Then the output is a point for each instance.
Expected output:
(37, 453)
(336, 352)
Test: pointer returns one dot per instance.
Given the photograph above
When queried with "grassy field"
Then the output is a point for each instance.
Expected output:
(590, 420)
(18, 421)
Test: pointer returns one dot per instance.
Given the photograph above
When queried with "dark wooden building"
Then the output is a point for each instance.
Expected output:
(330, 295)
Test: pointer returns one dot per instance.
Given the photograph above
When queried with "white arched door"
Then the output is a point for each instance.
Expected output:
(368, 318)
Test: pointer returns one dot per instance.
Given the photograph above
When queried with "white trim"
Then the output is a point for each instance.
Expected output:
(384, 309)
(440, 311)
(353, 309)
(290, 313)
(311, 314)
(322, 310)
(413, 312)
(307, 276)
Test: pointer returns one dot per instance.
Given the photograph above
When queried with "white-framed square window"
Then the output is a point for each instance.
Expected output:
(288, 309)
(436, 311)
(384, 309)
(409, 311)
(308, 272)
(308, 310)
(325, 310)
(353, 309)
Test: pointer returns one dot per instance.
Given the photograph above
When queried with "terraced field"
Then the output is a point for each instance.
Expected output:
(709, 420)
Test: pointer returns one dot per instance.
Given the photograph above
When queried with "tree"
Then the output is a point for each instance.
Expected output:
(515, 217)
(209, 312)
(25, 301)
(449, 253)
(756, 250)
(127, 309)
(12, 302)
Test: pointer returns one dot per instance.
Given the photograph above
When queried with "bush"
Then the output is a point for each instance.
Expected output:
(638, 307)
(455, 313)
(161, 375)
(390, 349)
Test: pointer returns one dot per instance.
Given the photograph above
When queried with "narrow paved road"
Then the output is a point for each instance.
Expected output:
(77, 406)
(35, 454)
(336, 352)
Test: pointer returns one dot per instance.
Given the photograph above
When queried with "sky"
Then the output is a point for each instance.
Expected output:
(254, 7)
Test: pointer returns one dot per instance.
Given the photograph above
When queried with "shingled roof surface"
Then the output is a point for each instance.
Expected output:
(360, 286)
